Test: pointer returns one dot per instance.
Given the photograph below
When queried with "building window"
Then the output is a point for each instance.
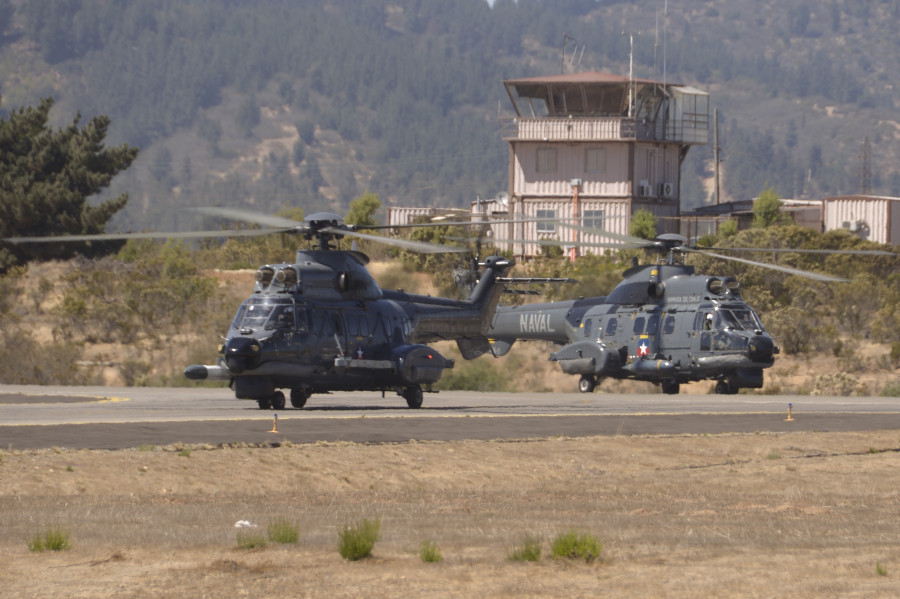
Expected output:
(546, 227)
(592, 219)
(546, 160)
(595, 160)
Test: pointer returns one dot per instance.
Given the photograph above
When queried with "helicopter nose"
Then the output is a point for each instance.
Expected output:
(241, 353)
(761, 348)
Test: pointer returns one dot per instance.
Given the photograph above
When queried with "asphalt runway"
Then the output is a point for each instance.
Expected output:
(33, 417)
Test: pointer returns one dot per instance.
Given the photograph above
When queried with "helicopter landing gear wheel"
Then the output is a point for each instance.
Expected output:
(671, 387)
(264, 404)
(299, 397)
(725, 388)
(278, 401)
(413, 396)
(586, 383)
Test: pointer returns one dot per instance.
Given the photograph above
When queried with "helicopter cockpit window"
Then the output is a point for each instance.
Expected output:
(256, 315)
(726, 320)
(268, 315)
(587, 327)
(236, 323)
(748, 319)
(282, 318)
(703, 321)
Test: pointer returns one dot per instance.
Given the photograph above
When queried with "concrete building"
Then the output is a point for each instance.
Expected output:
(875, 218)
(592, 149)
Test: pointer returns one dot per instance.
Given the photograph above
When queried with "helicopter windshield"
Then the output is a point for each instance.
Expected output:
(259, 314)
(738, 319)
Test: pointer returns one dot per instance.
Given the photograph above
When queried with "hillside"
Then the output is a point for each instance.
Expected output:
(275, 104)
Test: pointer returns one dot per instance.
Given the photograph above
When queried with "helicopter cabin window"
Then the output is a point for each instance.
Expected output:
(546, 160)
(545, 215)
(587, 327)
(611, 327)
(592, 219)
(352, 325)
(638, 325)
(669, 325)
(357, 324)
(652, 324)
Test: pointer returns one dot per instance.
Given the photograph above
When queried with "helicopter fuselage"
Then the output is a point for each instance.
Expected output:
(323, 324)
(662, 324)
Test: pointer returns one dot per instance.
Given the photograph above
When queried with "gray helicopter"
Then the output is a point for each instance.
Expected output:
(664, 323)
(322, 323)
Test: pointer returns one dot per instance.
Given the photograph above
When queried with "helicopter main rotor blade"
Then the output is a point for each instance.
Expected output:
(551, 242)
(804, 251)
(634, 242)
(466, 223)
(786, 269)
(146, 235)
(258, 218)
(416, 246)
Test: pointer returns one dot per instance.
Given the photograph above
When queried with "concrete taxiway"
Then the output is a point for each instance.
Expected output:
(114, 418)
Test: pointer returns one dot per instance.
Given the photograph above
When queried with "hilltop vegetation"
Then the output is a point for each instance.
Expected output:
(275, 104)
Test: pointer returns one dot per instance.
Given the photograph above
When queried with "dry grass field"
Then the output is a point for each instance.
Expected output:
(759, 515)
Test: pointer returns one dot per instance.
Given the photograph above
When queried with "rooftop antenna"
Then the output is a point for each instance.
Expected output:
(566, 40)
(864, 172)
(665, 38)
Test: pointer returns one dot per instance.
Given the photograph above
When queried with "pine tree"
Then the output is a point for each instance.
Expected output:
(46, 178)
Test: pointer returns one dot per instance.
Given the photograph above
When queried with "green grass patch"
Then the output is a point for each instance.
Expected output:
(527, 551)
(880, 569)
(356, 542)
(53, 539)
(283, 531)
(430, 553)
(571, 545)
(251, 539)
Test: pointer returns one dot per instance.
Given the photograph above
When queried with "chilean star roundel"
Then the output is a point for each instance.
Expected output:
(643, 349)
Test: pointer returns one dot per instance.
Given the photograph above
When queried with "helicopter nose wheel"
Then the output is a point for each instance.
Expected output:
(299, 397)
(413, 396)
(586, 383)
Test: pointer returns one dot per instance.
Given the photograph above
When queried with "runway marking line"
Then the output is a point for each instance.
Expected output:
(420, 415)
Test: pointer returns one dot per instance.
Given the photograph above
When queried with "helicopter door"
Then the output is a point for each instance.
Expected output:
(357, 335)
(330, 329)
(675, 334)
(703, 331)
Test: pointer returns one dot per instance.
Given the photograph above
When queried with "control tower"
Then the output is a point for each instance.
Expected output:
(593, 148)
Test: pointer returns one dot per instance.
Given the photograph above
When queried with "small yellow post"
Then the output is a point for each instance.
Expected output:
(274, 424)
(790, 417)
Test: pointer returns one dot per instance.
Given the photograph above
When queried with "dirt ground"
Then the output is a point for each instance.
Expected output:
(758, 515)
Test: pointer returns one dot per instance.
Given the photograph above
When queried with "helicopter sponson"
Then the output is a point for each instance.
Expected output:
(663, 324)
